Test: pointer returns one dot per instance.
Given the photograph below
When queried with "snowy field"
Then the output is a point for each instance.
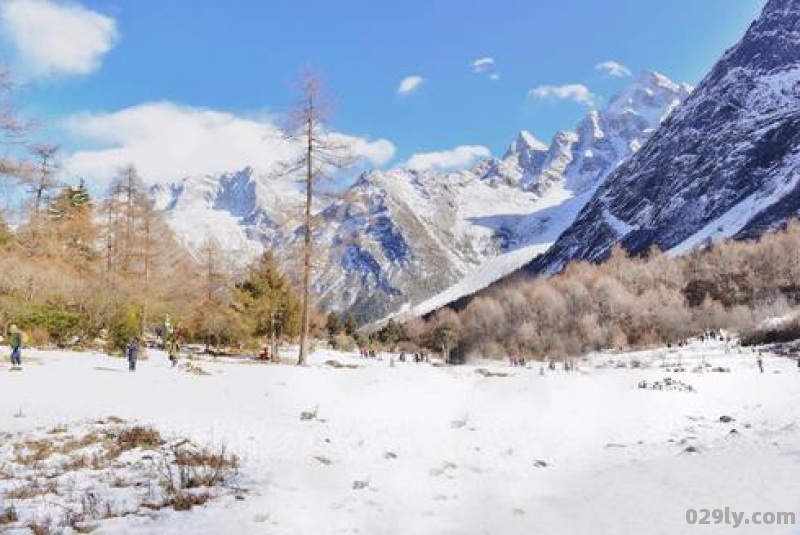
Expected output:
(416, 449)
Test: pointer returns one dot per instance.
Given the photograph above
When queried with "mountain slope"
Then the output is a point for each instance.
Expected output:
(566, 176)
(726, 164)
(403, 240)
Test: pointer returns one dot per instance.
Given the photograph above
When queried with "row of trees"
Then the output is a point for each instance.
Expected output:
(628, 301)
(75, 266)
(114, 264)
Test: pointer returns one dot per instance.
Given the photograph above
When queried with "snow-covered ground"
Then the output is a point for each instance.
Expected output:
(417, 449)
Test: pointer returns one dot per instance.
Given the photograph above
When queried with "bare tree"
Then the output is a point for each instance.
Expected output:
(214, 274)
(320, 155)
(12, 129)
(43, 180)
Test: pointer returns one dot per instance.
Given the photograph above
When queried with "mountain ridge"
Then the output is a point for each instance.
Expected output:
(399, 238)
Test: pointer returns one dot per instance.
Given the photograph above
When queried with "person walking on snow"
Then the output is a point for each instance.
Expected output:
(760, 361)
(172, 351)
(132, 352)
(15, 342)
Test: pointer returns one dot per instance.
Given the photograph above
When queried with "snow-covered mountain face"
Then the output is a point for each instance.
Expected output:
(404, 241)
(726, 164)
(244, 211)
(561, 177)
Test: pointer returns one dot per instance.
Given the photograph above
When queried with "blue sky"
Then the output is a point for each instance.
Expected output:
(240, 58)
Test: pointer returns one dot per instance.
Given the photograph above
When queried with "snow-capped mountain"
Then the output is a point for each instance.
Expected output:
(564, 176)
(404, 241)
(726, 164)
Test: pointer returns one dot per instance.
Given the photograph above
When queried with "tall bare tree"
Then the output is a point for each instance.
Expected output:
(320, 155)
(215, 275)
(12, 133)
(43, 180)
(12, 129)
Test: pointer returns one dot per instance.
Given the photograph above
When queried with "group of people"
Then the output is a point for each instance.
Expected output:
(516, 361)
(418, 358)
(367, 353)
(132, 352)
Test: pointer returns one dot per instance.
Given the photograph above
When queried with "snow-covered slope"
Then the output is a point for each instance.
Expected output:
(397, 239)
(726, 164)
(244, 211)
(563, 177)
(415, 449)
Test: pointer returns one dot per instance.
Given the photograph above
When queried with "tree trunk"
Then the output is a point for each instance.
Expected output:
(303, 357)
(146, 272)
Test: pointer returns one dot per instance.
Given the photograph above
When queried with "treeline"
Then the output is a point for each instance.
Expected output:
(74, 268)
(625, 302)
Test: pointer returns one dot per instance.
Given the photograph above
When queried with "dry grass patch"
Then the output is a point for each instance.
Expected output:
(145, 438)
(75, 473)
(32, 489)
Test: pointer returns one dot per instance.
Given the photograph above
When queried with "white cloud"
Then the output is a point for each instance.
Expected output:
(168, 142)
(486, 66)
(483, 64)
(377, 152)
(56, 38)
(614, 69)
(575, 92)
(409, 84)
(457, 158)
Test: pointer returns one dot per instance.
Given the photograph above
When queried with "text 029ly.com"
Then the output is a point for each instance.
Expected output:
(738, 518)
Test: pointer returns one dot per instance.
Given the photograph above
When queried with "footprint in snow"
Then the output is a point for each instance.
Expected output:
(443, 469)
(360, 484)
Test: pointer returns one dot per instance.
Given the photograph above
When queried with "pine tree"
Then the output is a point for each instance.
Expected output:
(350, 325)
(269, 302)
(42, 179)
(333, 324)
(71, 227)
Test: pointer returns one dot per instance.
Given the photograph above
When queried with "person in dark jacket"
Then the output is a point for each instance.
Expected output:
(132, 353)
(15, 342)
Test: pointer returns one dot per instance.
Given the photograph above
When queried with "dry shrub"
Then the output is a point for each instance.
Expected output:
(634, 301)
(184, 501)
(40, 337)
(139, 437)
(41, 528)
(203, 468)
(9, 515)
(34, 451)
(32, 489)
(185, 467)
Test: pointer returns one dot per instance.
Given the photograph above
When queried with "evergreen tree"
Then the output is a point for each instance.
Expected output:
(73, 231)
(333, 324)
(350, 325)
(391, 333)
(268, 300)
